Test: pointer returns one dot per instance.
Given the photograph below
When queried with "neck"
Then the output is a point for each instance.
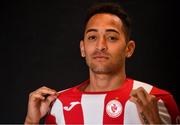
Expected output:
(105, 82)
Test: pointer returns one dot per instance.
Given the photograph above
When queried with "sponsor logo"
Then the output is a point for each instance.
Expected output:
(114, 108)
(72, 104)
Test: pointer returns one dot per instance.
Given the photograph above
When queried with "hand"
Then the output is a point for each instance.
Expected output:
(38, 105)
(146, 105)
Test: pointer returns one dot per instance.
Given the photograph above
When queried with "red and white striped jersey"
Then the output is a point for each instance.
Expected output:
(111, 107)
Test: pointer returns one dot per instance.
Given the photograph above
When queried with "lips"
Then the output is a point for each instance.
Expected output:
(100, 57)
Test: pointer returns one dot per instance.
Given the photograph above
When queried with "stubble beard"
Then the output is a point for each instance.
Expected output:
(100, 69)
(108, 68)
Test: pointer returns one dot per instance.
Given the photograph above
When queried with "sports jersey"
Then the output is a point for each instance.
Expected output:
(111, 107)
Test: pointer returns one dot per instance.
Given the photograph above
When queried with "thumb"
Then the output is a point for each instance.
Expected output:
(50, 99)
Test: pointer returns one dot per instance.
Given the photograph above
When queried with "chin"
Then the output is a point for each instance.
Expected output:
(101, 69)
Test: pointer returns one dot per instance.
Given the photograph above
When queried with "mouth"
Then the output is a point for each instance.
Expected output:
(99, 57)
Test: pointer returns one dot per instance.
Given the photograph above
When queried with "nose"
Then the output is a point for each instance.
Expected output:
(101, 44)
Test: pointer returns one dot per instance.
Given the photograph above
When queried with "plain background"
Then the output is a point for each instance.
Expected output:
(40, 46)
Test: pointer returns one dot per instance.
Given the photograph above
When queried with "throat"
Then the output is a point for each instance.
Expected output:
(102, 83)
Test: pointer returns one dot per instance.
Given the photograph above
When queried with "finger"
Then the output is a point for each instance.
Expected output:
(142, 95)
(138, 96)
(41, 92)
(46, 88)
(44, 91)
(152, 99)
(50, 99)
(137, 102)
(133, 99)
(134, 93)
(35, 96)
(133, 96)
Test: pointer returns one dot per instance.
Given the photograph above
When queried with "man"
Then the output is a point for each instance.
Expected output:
(108, 97)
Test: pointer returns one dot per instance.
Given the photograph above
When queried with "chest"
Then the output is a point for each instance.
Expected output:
(95, 108)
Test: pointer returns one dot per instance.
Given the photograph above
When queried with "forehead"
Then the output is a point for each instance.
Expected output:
(103, 21)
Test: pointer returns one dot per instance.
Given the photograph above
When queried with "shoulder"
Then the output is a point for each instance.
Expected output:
(150, 88)
(72, 91)
(67, 92)
(168, 108)
(63, 96)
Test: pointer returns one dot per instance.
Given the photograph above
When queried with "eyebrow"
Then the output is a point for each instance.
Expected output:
(90, 30)
(108, 30)
(112, 30)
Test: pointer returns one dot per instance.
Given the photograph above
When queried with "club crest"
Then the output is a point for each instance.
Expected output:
(114, 108)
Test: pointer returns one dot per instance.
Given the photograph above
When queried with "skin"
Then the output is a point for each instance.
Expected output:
(105, 50)
(38, 104)
(146, 105)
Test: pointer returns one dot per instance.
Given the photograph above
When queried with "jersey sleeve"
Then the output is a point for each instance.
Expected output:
(168, 109)
(172, 108)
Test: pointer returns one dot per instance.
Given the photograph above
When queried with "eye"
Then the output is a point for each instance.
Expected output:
(112, 38)
(92, 38)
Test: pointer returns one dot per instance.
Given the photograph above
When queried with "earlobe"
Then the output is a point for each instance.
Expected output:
(82, 48)
(130, 48)
(82, 54)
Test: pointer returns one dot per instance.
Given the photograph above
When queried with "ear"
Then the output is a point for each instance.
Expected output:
(130, 48)
(82, 48)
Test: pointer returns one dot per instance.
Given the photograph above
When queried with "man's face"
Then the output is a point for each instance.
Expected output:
(104, 46)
